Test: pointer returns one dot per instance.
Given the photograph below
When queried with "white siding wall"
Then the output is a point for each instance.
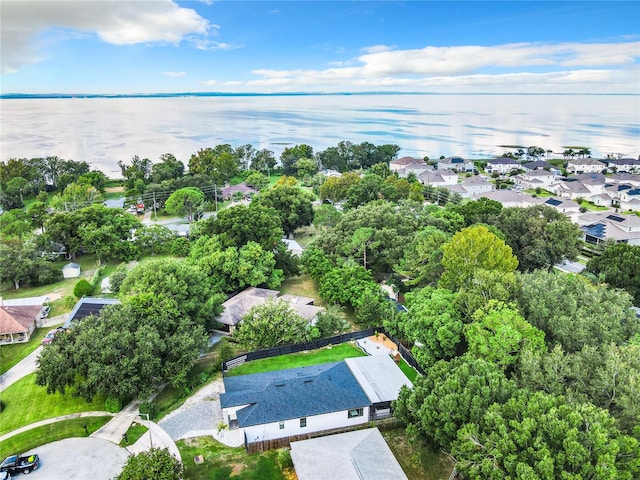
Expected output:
(316, 423)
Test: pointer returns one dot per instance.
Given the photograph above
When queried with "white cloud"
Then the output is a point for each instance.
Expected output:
(175, 74)
(117, 22)
(522, 67)
(206, 44)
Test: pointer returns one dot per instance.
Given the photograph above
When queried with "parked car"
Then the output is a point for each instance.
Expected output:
(20, 463)
(48, 338)
(45, 311)
(5, 476)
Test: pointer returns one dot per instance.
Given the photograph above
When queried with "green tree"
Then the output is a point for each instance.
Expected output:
(373, 308)
(238, 225)
(161, 345)
(577, 313)
(186, 202)
(325, 217)
(536, 435)
(332, 321)
(156, 463)
(305, 167)
(346, 284)
(335, 189)
(23, 262)
(38, 212)
(499, 333)
(472, 249)
(76, 196)
(272, 324)
(292, 204)
(219, 163)
(482, 210)
(434, 326)
(19, 186)
(15, 225)
(169, 168)
(290, 155)
(257, 180)
(82, 288)
(140, 169)
(450, 395)
(185, 284)
(539, 236)
(619, 266)
(154, 239)
(263, 161)
(422, 260)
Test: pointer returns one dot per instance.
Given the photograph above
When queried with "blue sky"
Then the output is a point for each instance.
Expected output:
(231, 46)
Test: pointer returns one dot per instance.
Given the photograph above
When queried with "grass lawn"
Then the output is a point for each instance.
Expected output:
(135, 432)
(221, 462)
(408, 370)
(302, 359)
(50, 433)
(543, 193)
(415, 458)
(26, 403)
(12, 354)
(593, 208)
(303, 286)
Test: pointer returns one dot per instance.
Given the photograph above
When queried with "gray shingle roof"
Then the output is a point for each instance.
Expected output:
(293, 393)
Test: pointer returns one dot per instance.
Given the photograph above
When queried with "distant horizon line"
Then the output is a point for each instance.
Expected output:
(8, 96)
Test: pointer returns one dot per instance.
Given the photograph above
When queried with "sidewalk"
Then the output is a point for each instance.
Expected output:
(21, 369)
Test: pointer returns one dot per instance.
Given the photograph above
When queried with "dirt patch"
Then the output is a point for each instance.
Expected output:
(384, 341)
(114, 189)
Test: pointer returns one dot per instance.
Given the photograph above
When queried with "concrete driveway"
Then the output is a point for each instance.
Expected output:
(79, 458)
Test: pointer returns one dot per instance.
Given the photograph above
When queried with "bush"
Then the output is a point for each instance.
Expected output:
(113, 405)
(2, 405)
(149, 408)
(180, 247)
(69, 301)
(82, 289)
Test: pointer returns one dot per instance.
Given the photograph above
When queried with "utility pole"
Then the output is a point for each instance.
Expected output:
(155, 213)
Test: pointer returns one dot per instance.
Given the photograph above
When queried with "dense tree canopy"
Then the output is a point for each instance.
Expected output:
(422, 260)
(187, 202)
(125, 352)
(186, 284)
(619, 266)
(472, 249)
(219, 163)
(572, 312)
(539, 236)
(292, 204)
(272, 324)
(540, 436)
(156, 463)
(450, 395)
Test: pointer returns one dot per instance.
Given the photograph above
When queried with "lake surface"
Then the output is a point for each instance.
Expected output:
(103, 131)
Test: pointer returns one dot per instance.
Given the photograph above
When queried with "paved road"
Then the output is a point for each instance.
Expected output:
(79, 459)
(21, 369)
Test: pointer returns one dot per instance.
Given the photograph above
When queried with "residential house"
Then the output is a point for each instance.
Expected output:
(629, 199)
(503, 165)
(359, 455)
(238, 305)
(562, 205)
(585, 165)
(470, 186)
(601, 226)
(508, 198)
(328, 172)
(17, 322)
(400, 163)
(457, 164)
(630, 178)
(535, 179)
(416, 168)
(540, 165)
(71, 270)
(299, 401)
(241, 190)
(294, 247)
(438, 178)
(583, 186)
(87, 306)
(628, 165)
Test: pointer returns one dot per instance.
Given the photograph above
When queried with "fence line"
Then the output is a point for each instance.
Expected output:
(405, 353)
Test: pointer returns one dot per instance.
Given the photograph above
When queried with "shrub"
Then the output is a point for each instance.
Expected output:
(180, 247)
(112, 405)
(2, 405)
(148, 408)
(82, 288)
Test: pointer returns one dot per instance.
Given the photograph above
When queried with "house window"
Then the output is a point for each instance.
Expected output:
(281, 425)
(355, 412)
(303, 422)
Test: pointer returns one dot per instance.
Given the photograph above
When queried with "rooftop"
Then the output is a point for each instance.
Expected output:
(87, 306)
(18, 319)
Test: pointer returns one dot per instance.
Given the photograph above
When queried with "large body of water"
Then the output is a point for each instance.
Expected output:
(103, 131)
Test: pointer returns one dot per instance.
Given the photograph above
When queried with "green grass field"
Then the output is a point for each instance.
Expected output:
(50, 433)
(302, 359)
(221, 462)
(12, 354)
(27, 403)
(408, 370)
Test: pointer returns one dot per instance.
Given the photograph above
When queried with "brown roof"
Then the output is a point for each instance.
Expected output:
(18, 319)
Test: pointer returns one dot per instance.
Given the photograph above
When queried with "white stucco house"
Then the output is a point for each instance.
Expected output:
(438, 178)
(585, 165)
(601, 226)
(298, 401)
(502, 165)
(457, 164)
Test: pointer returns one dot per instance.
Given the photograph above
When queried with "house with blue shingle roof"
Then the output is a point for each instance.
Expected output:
(310, 399)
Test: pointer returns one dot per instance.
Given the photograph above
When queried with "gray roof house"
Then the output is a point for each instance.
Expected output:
(457, 164)
(238, 305)
(87, 306)
(298, 401)
(359, 455)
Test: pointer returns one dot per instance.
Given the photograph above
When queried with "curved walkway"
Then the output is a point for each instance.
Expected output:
(49, 421)
(21, 369)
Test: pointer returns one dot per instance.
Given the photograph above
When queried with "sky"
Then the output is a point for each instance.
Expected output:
(136, 46)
